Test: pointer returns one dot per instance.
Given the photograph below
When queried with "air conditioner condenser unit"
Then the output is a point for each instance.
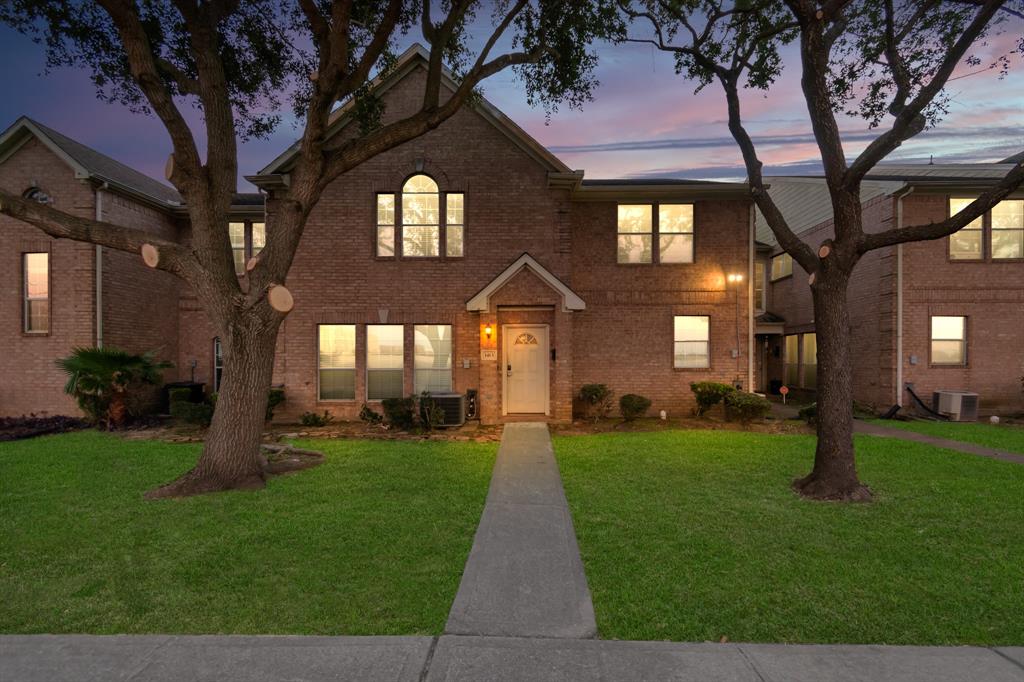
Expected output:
(959, 406)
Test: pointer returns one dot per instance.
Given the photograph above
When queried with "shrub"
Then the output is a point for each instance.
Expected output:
(399, 413)
(316, 419)
(106, 381)
(596, 400)
(274, 398)
(431, 414)
(633, 406)
(746, 406)
(368, 415)
(709, 394)
(809, 413)
(199, 414)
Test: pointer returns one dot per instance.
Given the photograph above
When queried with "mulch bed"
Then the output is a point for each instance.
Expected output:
(17, 428)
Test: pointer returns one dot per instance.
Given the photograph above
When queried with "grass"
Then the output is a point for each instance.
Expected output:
(1008, 437)
(373, 541)
(694, 535)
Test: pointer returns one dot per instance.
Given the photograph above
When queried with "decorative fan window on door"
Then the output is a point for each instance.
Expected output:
(525, 339)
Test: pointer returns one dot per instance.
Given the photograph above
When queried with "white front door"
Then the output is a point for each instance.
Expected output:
(526, 369)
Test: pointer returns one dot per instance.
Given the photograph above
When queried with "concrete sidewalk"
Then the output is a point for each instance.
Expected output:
(86, 658)
(872, 429)
(524, 576)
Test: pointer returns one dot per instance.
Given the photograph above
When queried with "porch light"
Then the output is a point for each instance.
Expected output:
(488, 331)
(735, 278)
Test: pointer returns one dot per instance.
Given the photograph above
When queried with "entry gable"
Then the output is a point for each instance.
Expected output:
(481, 302)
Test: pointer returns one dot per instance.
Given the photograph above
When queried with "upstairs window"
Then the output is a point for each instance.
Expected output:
(422, 220)
(655, 233)
(782, 266)
(36, 277)
(247, 240)
(218, 363)
(692, 342)
(949, 340)
(1002, 228)
(759, 287)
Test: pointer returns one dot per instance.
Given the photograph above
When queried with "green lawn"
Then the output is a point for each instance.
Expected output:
(1008, 437)
(694, 535)
(373, 541)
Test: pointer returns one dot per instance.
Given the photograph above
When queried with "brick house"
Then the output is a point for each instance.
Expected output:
(942, 314)
(469, 259)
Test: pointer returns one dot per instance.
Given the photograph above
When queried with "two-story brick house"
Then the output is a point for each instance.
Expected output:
(942, 314)
(470, 259)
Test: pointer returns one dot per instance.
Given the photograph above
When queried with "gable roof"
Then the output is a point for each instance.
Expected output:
(1016, 158)
(418, 57)
(87, 163)
(481, 302)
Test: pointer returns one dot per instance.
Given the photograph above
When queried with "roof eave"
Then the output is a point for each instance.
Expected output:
(655, 192)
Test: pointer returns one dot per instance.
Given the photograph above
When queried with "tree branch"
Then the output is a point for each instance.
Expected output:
(174, 257)
(1010, 182)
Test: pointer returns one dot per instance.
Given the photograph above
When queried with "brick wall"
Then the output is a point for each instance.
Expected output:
(29, 381)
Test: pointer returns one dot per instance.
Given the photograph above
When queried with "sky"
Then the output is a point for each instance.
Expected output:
(644, 121)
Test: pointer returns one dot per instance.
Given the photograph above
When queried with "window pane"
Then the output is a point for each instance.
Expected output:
(635, 218)
(453, 241)
(218, 363)
(259, 237)
(454, 209)
(948, 328)
(236, 232)
(692, 327)
(384, 361)
(759, 286)
(37, 275)
(337, 384)
(385, 240)
(385, 209)
(675, 218)
(947, 352)
(675, 248)
(38, 316)
(691, 354)
(420, 183)
(1008, 214)
(420, 241)
(337, 361)
(792, 357)
(782, 266)
(432, 359)
(957, 205)
(1007, 244)
(634, 248)
(965, 244)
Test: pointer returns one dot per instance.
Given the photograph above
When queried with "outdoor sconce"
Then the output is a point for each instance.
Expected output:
(488, 331)
(735, 278)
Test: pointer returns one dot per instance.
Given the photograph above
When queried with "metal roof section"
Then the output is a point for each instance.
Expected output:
(481, 302)
(88, 163)
(418, 57)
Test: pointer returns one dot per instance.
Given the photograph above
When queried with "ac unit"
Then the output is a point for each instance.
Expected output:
(959, 406)
(453, 405)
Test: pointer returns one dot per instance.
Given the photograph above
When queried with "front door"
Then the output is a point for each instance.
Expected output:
(526, 369)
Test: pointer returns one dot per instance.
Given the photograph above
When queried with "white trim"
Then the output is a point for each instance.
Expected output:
(750, 301)
(899, 300)
(505, 362)
(481, 302)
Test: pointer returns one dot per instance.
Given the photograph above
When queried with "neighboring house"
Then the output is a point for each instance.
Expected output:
(942, 314)
(468, 260)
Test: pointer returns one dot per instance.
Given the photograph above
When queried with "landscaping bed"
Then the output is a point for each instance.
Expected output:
(696, 536)
(30, 426)
(371, 541)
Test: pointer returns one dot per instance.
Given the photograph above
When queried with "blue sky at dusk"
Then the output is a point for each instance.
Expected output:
(644, 121)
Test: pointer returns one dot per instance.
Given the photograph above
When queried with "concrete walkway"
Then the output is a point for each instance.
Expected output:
(872, 429)
(524, 576)
(156, 658)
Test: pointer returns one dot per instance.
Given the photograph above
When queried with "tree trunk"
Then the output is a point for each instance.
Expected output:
(231, 457)
(834, 476)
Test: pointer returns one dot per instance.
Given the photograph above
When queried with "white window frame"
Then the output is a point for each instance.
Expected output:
(417, 388)
(962, 341)
(320, 367)
(706, 341)
(370, 369)
(28, 298)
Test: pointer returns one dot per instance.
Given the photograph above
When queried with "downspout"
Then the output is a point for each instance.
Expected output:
(99, 270)
(750, 303)
(899, 299)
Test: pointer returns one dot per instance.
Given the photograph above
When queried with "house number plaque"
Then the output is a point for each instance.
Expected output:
(488, 355)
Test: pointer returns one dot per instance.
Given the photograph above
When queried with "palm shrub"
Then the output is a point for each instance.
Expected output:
(103, 379)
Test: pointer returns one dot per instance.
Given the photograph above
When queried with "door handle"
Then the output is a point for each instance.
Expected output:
(508, 370)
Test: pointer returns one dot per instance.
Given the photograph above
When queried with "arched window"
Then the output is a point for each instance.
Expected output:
(426, 222)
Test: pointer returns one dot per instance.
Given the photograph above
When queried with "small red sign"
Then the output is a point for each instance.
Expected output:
(784, 390)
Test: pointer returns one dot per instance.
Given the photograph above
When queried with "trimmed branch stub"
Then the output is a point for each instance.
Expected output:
(279, 298)
(824, 250)
(169, 166)
(250, 264)
(150, 255)
(810, 279)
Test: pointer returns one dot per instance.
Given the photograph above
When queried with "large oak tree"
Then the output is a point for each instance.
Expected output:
(239, 63)
(886, 61)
